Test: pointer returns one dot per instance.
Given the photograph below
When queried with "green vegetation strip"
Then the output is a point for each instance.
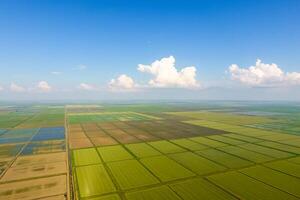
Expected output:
(166, 169)
(196, 163)
(266, 151)
(158, 193)
(225, 117)
(248, 188)
(141, 150)
(285, 167)
(246, 154)
(274, 178)
(166, 147)
(243, 138)
(208, 142)
(282, 147)
(93, 180)
(189, 144)
(114, 153)
(225, 159)
(231, 128)
(85, 157)
(227, 140)
(131, 174)
(195, 189)
(107, 197)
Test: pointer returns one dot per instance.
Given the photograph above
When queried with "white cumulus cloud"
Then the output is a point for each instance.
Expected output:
(43, 86)
(16, 88)
(1, 88)
(122, 82)
(165, 74)
(262, 74)
(85, 86)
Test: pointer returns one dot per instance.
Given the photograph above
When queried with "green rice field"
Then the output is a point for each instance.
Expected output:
(155, 151)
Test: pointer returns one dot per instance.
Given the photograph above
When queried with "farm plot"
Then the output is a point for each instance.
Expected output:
(226, 140)
(46, 146)
(55, 133)
(266, 151)
(85, 157)
(247, 131)
(286, 167)
(195, 189)
(243, 138)
(166, 147)
(160, 166)
(208, 142)
(228, 118)
(274, 178)
(245, 187)
(141, 150)
(37, 188)
(246, 154)
(114, 153)
(93, 180)
(162, 192)
(189, 144)
(197, 164)
(34, 171)
(131, 174)
(225, 159)
(107, 116)
(103, 141)
(282, 147)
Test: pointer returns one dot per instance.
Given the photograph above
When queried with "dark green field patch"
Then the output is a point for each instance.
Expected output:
(166, 169)
(131, 174)
(195, 189)
(166, 147)
(158, 193)
(197, 164)
(225, 159)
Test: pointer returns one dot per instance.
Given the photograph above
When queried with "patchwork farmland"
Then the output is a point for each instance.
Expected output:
(149, 152)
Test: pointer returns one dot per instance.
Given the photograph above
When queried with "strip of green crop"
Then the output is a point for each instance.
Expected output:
(189, 144)
(243, 138)
(266, 151)
(231, 128)
(282, 147)
(93, 180)
(248, 188)
(208, 142)
(107, 197)
(274, 178)
(227, 140)
(195, 189)
(246, 154)
(295, 160)
(142, 150)
(85, 157)
(225, 159)
(166, 169)
(285, 167)
(166, 147)
(131, 174)
(279, 137)
(157, 193)
(114, 153)
(225, 117)
(196, 163)
(295, 142)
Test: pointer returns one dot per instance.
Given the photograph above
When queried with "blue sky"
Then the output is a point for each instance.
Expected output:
(110, 38)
